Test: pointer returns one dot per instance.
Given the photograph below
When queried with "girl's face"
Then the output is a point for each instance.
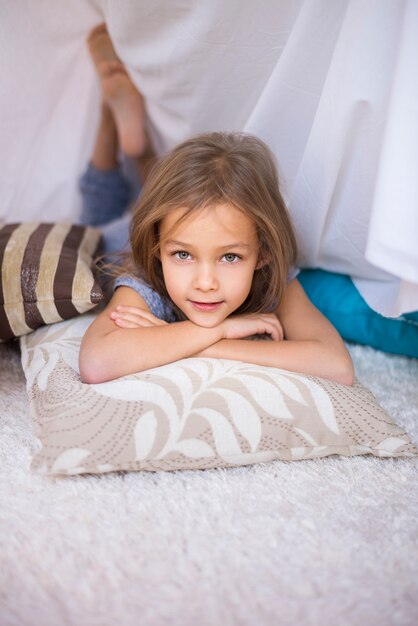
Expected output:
(208, 261)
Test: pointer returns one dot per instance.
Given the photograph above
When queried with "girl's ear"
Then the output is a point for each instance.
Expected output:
(262, 261)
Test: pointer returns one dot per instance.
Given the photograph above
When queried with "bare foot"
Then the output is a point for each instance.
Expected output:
(100, 45)
(119, 93)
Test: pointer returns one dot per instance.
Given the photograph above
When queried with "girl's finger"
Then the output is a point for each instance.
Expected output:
(128, 315)
(275, 331)
(132, 319)
(126, 323)
(276, 327)
(133, 309)
(136, 311)
(277, 334)
(139, 321)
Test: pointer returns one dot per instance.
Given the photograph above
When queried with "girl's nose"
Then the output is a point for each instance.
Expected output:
(205, 278)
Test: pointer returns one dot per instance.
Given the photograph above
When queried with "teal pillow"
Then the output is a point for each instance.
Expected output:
(338, 299)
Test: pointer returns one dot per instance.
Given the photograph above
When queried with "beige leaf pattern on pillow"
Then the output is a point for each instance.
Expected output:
(244, 416)
(144, 434)
(192, 414)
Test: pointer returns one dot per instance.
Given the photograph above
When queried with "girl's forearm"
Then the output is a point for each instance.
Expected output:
(331, 361)
(126, 351)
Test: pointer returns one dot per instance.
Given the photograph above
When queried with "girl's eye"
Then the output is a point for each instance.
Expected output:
(230, 257)
(182, 255)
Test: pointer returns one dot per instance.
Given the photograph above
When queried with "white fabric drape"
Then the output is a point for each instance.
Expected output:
(330, 85)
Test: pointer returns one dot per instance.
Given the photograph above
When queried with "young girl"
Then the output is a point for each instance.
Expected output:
(211, 265)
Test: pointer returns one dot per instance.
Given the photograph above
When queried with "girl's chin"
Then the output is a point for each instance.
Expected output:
(207, 323)
(205, 320)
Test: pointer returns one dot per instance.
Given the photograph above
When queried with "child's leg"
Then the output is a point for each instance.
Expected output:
(106, 147)
(106, 193)
(119, 93)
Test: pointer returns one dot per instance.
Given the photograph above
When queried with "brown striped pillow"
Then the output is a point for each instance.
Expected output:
(46, 275)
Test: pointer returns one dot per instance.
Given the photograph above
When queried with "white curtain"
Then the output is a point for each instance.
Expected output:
(330, 85)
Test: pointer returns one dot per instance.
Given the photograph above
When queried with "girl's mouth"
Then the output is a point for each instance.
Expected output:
(206, 306)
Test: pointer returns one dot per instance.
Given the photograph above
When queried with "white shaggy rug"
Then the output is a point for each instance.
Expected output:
(330, 542)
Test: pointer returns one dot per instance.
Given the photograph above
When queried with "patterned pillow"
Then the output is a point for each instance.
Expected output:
(46, 275)
(193, 414)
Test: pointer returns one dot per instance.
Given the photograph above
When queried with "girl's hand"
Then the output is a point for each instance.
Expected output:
(134, 317)
(241, 326)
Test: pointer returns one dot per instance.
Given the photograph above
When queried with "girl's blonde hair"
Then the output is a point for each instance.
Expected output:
(209, 169)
